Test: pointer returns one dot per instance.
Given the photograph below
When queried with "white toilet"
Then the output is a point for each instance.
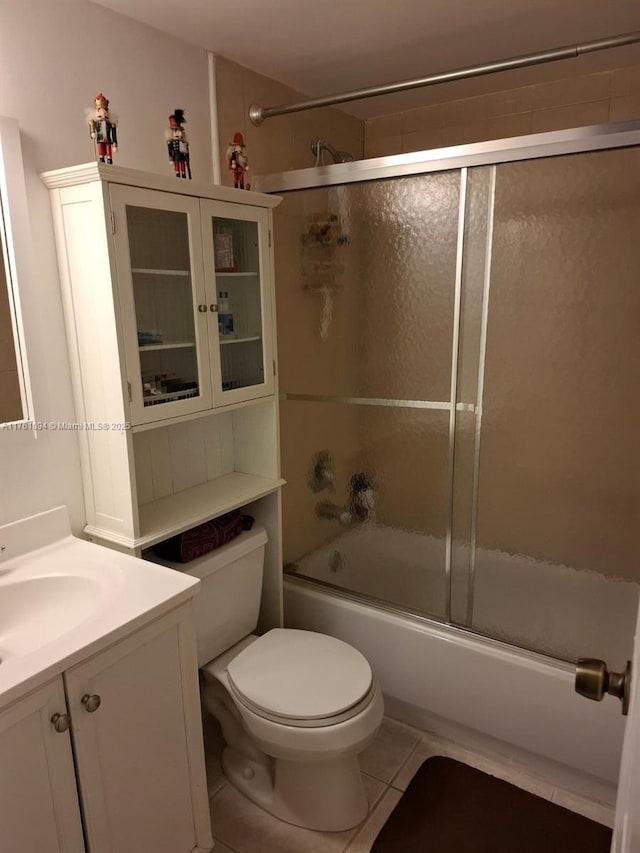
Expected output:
(295, 707)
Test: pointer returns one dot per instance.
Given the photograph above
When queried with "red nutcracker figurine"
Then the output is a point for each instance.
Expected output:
(102, 129)
(178, 145)
(237, 160)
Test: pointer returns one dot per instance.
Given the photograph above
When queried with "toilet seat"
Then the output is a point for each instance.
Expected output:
(301, 679)
(297, 722)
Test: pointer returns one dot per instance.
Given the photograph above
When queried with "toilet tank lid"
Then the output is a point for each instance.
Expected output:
(300, 674)
(201, 567)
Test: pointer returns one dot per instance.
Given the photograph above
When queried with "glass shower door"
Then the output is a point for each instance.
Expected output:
(459, 355)
(549, 465)
(366, 303)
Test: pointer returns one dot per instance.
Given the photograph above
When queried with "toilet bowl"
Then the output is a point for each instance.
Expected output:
(295, 707)
(293, 755)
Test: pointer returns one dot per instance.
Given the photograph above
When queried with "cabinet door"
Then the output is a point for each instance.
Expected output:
(38, 797)
(162, 299)
(139, 756)
(235, 241)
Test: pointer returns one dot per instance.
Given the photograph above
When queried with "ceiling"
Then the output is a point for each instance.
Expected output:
(325, 47)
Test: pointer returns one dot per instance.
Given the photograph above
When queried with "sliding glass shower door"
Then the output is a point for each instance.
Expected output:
(459, 352)
(554, 557)
(366, 316)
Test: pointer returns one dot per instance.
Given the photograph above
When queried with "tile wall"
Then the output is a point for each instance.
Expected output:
(573, 102)
(283, 142)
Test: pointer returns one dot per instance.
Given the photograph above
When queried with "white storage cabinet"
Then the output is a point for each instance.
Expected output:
(169, 308)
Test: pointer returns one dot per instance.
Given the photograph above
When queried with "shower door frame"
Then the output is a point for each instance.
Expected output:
(597, 137)
(460, 158)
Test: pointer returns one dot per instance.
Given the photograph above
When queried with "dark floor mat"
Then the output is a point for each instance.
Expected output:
(452, 808)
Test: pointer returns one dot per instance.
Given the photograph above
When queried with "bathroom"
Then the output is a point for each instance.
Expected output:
(142, 84)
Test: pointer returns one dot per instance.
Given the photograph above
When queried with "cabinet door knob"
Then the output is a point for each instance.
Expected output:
(213, 307)
(61, 722)
(202, 309)
(91, 702)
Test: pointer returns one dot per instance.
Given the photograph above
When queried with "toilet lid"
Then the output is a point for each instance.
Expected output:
(300, 675)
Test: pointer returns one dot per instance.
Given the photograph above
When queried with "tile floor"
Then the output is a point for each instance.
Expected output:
(388, 765)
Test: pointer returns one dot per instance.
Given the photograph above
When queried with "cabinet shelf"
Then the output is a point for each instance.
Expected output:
(173, 514)
(236, 274)
(224, 340)
(148, 347)
(144, 271)
(186, 394)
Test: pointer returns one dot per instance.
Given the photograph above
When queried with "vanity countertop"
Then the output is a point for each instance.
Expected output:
(63, 599)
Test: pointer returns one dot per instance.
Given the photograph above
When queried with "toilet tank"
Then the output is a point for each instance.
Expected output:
(227, 601)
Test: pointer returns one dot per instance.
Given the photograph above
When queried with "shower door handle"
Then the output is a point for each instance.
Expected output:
(593, 680)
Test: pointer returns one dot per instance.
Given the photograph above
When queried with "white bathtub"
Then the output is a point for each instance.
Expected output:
(438, 677)
(554, 609)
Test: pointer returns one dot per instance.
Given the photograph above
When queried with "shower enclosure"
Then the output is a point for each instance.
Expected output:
(459, 354)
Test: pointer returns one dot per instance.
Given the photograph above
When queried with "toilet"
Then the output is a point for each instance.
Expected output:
(295, 707)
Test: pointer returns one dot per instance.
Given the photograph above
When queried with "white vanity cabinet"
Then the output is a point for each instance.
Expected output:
(169, 307)
(137, 737)
(39, 808)
(139, 772)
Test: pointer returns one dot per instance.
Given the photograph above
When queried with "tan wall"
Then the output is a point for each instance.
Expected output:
(308, 364)
(590, 99)
(283, 142)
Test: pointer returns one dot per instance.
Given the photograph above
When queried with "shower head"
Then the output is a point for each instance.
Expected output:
(320, 145)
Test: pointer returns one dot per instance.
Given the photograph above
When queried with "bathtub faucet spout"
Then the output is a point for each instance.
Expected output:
(325, 509)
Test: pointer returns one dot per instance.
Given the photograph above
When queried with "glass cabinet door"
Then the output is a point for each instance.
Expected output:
(164, 310)
(235, 245)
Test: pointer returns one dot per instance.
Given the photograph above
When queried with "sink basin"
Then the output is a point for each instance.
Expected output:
(63, 599)
(36, 610)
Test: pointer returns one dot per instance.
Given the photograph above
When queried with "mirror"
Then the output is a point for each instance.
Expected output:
(11, 408)
(13, 237)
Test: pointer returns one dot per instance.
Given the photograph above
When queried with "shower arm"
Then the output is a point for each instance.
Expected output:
(258, 114)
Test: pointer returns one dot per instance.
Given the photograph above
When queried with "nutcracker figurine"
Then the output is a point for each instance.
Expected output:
(178, 145)
(102, 129)
(237, 160)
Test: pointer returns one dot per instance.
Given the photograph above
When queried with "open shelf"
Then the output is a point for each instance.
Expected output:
(173, 514)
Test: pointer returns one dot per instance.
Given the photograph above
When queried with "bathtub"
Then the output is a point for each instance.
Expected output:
(460, 684)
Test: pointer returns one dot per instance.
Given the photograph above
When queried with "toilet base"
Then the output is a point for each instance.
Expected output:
(327, 796)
